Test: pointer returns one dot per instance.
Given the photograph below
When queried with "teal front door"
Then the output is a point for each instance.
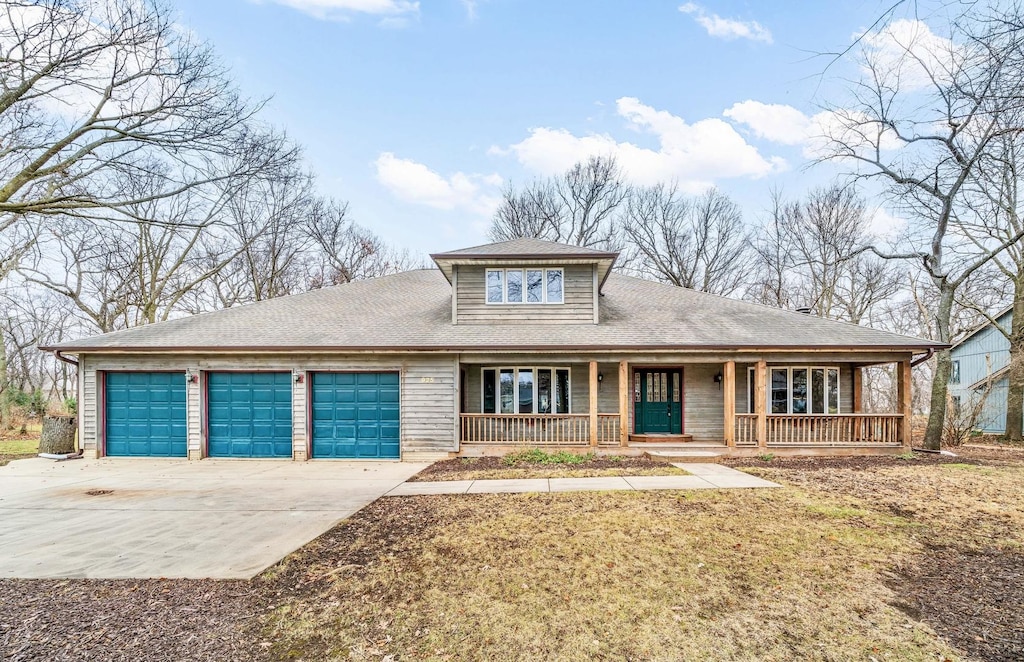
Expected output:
(657, 401)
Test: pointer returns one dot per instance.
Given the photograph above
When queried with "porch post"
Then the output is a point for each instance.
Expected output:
(729, 384)
(593, 404)
(858, 390)
(624, 386)
(903, 384)
(760, 402)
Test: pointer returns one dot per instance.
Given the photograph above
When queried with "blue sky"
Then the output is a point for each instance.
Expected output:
(417, 112)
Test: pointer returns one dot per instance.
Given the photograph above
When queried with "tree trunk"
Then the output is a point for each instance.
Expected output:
(1015, 392)
(5, 408)
(58, 435)
(943, 367)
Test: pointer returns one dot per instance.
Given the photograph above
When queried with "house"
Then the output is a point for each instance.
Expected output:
(518, 343)
(980, 365)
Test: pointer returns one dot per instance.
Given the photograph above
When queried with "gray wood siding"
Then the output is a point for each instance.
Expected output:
(578, 306)
(428, 392)
(428, 404)
(703, 403)
(87, 406)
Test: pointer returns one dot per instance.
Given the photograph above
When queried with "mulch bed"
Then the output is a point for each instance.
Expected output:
(442, 470)
(965, 455)
(129, 620)
(975, 600)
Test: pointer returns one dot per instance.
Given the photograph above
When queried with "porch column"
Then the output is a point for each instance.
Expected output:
(593, 404)
(858, 390)
(729, 402)
(903, 382)
(760, 402)
(624, 386)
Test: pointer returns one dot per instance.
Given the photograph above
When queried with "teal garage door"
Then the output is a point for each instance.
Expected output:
(355, 415)
(249, 414)
(145, 414)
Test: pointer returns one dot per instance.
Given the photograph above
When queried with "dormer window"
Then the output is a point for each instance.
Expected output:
(538, 286)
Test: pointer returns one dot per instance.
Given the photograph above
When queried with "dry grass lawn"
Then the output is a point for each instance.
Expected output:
(808, 572)
(17, 449)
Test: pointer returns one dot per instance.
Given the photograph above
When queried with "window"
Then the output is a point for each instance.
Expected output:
(798, 390)
(954, 373)
(526, 390)
(525, 286)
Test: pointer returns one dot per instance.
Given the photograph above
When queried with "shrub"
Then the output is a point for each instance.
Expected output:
(538, 456)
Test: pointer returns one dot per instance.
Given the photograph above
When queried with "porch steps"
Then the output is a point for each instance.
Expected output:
(672, 439)
(688, 454)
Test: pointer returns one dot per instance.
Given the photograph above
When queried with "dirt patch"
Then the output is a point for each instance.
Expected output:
(483, 468)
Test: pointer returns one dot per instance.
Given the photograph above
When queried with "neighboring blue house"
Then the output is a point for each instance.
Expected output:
(981, 359)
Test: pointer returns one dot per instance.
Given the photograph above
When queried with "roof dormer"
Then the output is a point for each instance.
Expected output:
(525, 281)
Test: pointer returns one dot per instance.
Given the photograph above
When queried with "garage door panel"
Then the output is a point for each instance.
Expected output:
(249, 414)
(145, 414)
(355, 415)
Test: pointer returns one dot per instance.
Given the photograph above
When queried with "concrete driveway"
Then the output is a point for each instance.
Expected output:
(138, 518)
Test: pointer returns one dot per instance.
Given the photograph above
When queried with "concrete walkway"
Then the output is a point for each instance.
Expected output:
(702, 477)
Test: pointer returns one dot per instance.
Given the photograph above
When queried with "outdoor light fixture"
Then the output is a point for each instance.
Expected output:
(299, 377)
(718, 380)
(600, 376)
(191, 377)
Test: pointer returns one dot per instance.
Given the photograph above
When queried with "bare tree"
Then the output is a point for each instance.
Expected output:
(345, 251)
(920, 125)
(804, 253)
(579, 207)
(698, 242)
(95, 87)
(996, 203)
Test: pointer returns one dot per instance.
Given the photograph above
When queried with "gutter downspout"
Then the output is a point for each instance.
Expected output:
(915, 362)
(65, 359)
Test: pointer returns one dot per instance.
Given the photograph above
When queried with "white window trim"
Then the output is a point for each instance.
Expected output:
(515, 382)
(789, 388)
(504, 287)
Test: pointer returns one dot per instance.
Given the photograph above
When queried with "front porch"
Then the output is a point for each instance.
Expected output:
(599, 406)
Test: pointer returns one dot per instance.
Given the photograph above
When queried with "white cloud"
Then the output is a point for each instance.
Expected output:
(909, 52)
(696, 155)
(343, 10)
(773, 121)
(414, 182)
(726, 28)
(470, 7)
(785, 125)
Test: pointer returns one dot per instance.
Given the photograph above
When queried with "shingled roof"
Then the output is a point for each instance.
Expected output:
(411, 311)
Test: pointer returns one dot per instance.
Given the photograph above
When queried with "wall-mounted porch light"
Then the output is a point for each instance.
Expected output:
(300, 377)
(600, 376)
(191, 377)
(718, 380)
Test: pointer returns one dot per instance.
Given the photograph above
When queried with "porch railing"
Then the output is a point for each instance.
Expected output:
(746, 429)
(822, 429)
(538, 429)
